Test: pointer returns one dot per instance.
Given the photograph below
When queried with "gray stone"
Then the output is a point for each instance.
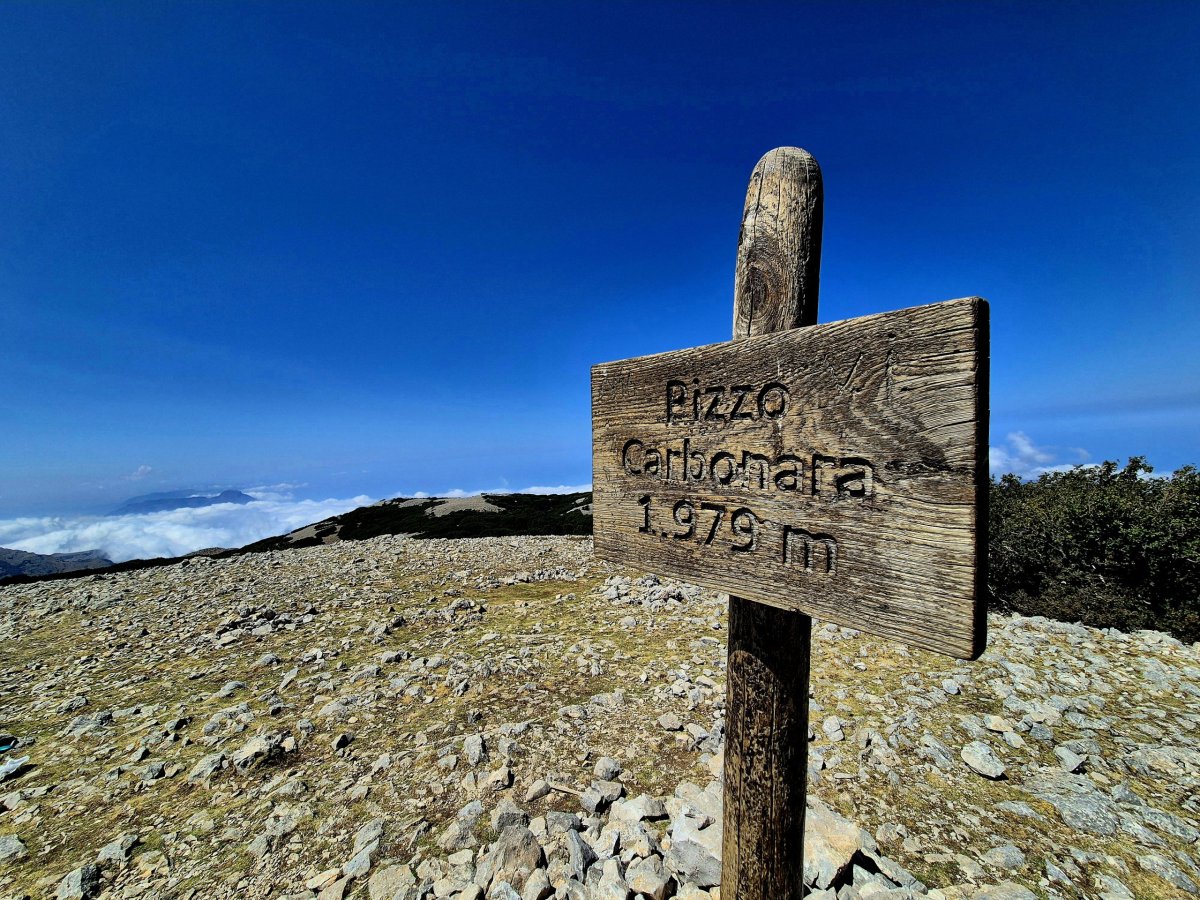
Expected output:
(981, 759)
(1170, 824)
(11, 848)
(229, 689)
(538, 886)
(537, 790)
(1167, 871)
(832, 726)
(1006, 890)
(607, 768)
(830, 843)
(255, 752)
(1020, 808)
(998, 724)
(79, 884)
(392, 883)
(117, 852)
(499, 779)
(936, 752)
(580, 854)
(649, 878)
(335, 891)
(372, 832)
(561, 822)
(201, 823)
(1006, 856)
(260, 846)
(641, 807)
(72, 704)
(1076, 801)
(612, 885)
(207, 767)
(695, 853)
(1110, 888)
(512, 858)
(474, 749)
(601, 793)
(971, 869)
(360, 863)
(1068, 759)
(507, 814)
(458, 835)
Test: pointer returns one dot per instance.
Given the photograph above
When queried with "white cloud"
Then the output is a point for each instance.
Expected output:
(558, 489)
(171, 533)
(533, 489)
(282, 491)
(139, 473)
(1023, 457)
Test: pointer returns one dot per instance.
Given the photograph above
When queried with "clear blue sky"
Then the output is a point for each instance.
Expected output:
(373, 248)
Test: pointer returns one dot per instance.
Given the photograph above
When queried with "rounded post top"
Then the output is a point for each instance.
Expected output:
(779, 249)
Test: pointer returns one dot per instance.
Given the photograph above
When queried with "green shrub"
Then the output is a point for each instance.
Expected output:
(1105, 545)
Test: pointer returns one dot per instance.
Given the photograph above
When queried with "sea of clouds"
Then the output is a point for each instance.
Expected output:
(170, 533)
(179, 531)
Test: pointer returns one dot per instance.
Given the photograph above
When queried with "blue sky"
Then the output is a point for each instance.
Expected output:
(370, 249)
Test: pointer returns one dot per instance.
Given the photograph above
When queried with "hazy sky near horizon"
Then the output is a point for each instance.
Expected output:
(370, 249)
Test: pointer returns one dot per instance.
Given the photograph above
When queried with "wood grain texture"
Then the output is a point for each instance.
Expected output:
(831, 470)
(779, 248)
(769, 649)
(766, 752)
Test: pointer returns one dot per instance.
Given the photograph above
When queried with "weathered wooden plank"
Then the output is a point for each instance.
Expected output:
(766, 699)
(833, 470)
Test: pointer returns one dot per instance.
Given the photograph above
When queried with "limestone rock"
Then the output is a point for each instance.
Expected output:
(79, 884)
(695, 853)
(830, 842)
(982, 759)
(512, 858)
(11, 848)
(117, 851)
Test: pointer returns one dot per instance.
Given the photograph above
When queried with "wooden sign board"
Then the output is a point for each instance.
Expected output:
(838, 470)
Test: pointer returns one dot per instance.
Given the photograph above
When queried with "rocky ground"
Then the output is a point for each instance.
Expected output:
(510, 718)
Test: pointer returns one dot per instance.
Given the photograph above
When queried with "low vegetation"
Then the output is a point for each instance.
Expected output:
(1110, 546)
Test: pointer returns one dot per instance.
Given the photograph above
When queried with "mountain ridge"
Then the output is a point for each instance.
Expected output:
(165, 502)
(23, 562)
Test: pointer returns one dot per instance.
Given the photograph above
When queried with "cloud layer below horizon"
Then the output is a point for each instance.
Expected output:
(170, 533)
(179, 531)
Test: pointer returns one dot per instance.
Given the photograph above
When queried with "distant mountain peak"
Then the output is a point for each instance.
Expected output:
(21, 562)
(165, 501)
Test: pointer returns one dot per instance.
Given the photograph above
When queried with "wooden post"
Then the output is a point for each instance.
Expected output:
(766, 707)
(860, 495)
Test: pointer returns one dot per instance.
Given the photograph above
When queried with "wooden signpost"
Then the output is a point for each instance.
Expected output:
(835, 470)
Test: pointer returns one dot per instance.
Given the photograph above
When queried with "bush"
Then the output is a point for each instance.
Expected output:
(1104, 545)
